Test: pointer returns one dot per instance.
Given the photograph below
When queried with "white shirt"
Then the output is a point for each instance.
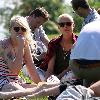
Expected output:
(39, 34)
(88, 43)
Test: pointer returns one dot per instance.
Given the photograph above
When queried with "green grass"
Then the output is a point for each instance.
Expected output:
(40, 98)
(51, 36)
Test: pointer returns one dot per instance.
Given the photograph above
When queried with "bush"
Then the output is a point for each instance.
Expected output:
(51, 28)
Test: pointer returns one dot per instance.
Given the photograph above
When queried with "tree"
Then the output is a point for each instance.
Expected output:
(54, 7)
(8, 9)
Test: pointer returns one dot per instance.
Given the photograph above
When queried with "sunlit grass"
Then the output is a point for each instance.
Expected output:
(51, 36)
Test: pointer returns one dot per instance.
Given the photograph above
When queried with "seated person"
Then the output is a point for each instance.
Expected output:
(85, 56)
(15, 50)
(57, 59)
(58, 54)
(36, 19)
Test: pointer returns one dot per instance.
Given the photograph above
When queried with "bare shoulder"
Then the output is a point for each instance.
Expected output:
(4, 46)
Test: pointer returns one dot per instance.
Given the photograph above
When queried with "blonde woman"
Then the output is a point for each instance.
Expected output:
(13, 52)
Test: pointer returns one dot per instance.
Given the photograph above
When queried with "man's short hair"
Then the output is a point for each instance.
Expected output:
(40, 12)
(98, 11)
(80, 3)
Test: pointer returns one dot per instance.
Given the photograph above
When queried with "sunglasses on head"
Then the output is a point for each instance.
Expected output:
(16, 29)
(65, 23)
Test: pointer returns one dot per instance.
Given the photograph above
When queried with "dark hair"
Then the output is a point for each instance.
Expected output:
(40, 12)
(98, 11)
(80, 3)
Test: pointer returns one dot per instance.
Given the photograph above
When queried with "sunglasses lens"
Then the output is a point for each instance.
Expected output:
(65, 23)
(16, 29)
(61, 24)
(68, 23)
(23, 29)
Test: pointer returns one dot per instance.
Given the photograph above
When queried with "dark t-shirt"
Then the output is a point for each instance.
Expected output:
(62, 59)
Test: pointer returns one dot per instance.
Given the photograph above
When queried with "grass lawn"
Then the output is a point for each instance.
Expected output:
(51, 36)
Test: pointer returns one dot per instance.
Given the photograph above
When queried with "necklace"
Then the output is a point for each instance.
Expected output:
(66, 49)
(66, 53)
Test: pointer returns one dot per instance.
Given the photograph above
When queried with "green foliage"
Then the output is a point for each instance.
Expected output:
(78, 23)
(54, 7)
(51, 28)
(97, 5)
(24, 78)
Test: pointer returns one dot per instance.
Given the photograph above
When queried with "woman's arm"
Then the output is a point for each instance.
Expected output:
(50, 67)
(44, 89)
(53, 91)
(30, 64)
(49, 90)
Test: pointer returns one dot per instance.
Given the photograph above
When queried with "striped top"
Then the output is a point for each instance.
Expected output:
(5, 76)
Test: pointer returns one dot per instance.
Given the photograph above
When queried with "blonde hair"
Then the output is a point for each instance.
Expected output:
(22, 21)
(65, 15)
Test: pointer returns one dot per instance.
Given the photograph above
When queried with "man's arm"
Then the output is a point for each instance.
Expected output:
(96, 88)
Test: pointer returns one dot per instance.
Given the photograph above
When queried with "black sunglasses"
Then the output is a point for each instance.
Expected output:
(16, 29)
(65, 23)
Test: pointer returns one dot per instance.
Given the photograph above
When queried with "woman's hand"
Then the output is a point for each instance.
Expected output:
(20, 40)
